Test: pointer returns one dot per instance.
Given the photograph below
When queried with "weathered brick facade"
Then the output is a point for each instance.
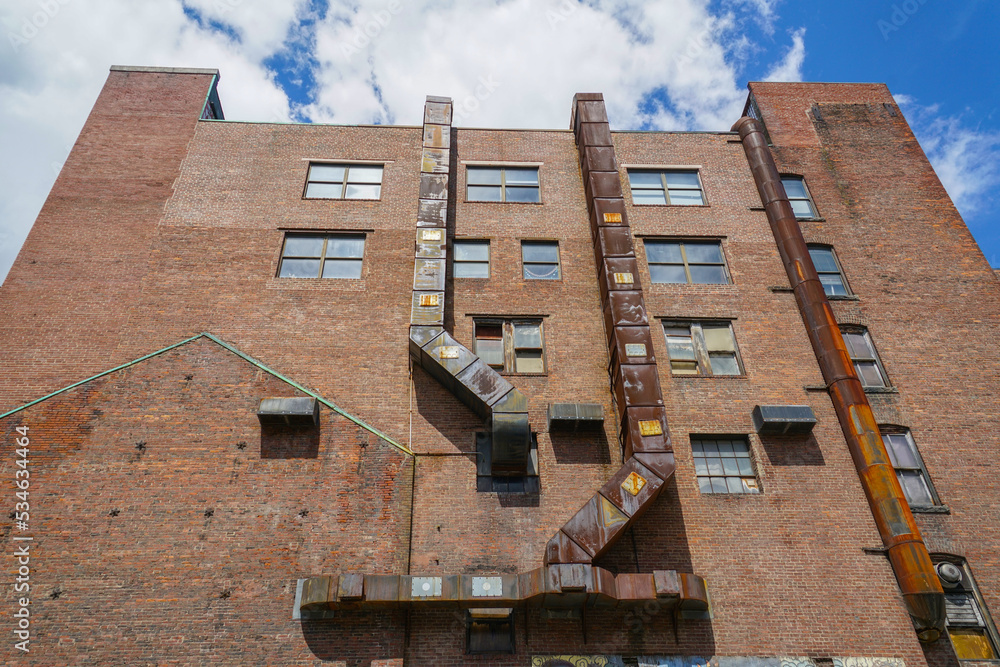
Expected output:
(188, 548)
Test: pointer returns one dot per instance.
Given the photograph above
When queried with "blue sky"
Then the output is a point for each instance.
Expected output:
(662, 64)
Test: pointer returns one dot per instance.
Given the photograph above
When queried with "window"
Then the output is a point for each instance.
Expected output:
(702, 348)
(472, 258)
(540, 260)
(910, 468)
(489, 630)
(322, 256)
(510, 184)
(829, 270)
(972, 632)
(344, 181)
(866, 361)
(723, 465)
(686, 262)
(798, 196)
(514, 346)
(677, 188)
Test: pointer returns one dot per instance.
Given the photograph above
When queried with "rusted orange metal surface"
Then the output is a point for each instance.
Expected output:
(907, 553)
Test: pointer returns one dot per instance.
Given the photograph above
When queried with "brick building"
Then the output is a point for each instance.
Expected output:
(425, 395)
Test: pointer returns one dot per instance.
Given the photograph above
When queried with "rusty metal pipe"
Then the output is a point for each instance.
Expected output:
(921, 590)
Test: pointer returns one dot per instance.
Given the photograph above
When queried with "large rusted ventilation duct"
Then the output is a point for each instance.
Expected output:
(910, 561)
(452, 364)
(649, 458)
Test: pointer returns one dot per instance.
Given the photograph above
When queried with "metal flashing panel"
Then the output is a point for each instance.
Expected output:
(298, 410)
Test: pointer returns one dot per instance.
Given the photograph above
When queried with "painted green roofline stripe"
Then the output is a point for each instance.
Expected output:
(238, 353)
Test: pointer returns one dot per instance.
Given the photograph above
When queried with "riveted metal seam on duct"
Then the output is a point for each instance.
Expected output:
(921, 590)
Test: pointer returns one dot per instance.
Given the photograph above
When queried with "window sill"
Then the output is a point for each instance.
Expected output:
(488, 201)
(325, 284)
(781, 289)
(338, 199)
(848, 297)
(930, 509)
(810, 219)
(521, 375)
(881, 390)
(709, 377)
(672, 205)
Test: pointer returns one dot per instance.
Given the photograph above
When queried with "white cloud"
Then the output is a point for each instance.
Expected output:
(541, 53)
(789, 68)
(966, 159)
(54, 58)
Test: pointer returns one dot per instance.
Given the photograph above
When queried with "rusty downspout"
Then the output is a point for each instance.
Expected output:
(922, 592)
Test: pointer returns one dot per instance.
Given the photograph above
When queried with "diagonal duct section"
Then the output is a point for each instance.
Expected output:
(648, 454)
(452, 364)
(918, 582)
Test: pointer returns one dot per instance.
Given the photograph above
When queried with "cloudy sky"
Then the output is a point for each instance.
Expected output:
(662, 64)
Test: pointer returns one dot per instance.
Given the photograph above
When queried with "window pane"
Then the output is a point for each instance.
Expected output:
(869, 373)
(327, 172)
(324, 190)
(484, 176)
(857, 345)
(484, 193)
(642, 197)
(364, 174)
(680, 348)
(529, 361)
(303, 246)
(719, 338)
(710, 447)
(714, 465)
(490, 351)
(725, 447)
(472, 269)
(735, 485)
(363, 191)
(472, 251)
(686, 198)
(299, 268)
(540, 252)
(703, 253)
(705, 484)
(342, 268)
(794, 187)
(823, 260)
(521, 177)
(833, 284)
(915, 487)
(708, 275)
(666, 273)
(521, 194)
(664, 252)
(971, 644)
(645, 179)
(527, 335)
(700, 467)
(683, 367)
(345, 246)
(730, 466)
(683, 179)
(725, 366)
(901, 450)
(745, 468)
(719, 485)
(541, 271)
(741, 447)
(492, 331)
(802, 208)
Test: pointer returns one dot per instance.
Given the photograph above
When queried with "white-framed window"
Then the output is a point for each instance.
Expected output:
(472, 258)
(322, 255)
(343, 181)
(674, 187)
(503, 184)
(704, 348)
(798, 196)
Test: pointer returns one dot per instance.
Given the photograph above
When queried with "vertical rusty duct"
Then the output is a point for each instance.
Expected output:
(452, 364)
(922, 592)
(649, 458)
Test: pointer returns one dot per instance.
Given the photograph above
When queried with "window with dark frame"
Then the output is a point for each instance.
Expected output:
(503, 184)
(510, 345)
(798, 197)
(674, 187)
(472, 258)
(322, 256)
(909, 466)
(723, 465)
(866, 362)
(702, 348)
(343, 181)
(540, 260)
(971, 629)
(828, 268)
(693, 262)
(489, 630)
